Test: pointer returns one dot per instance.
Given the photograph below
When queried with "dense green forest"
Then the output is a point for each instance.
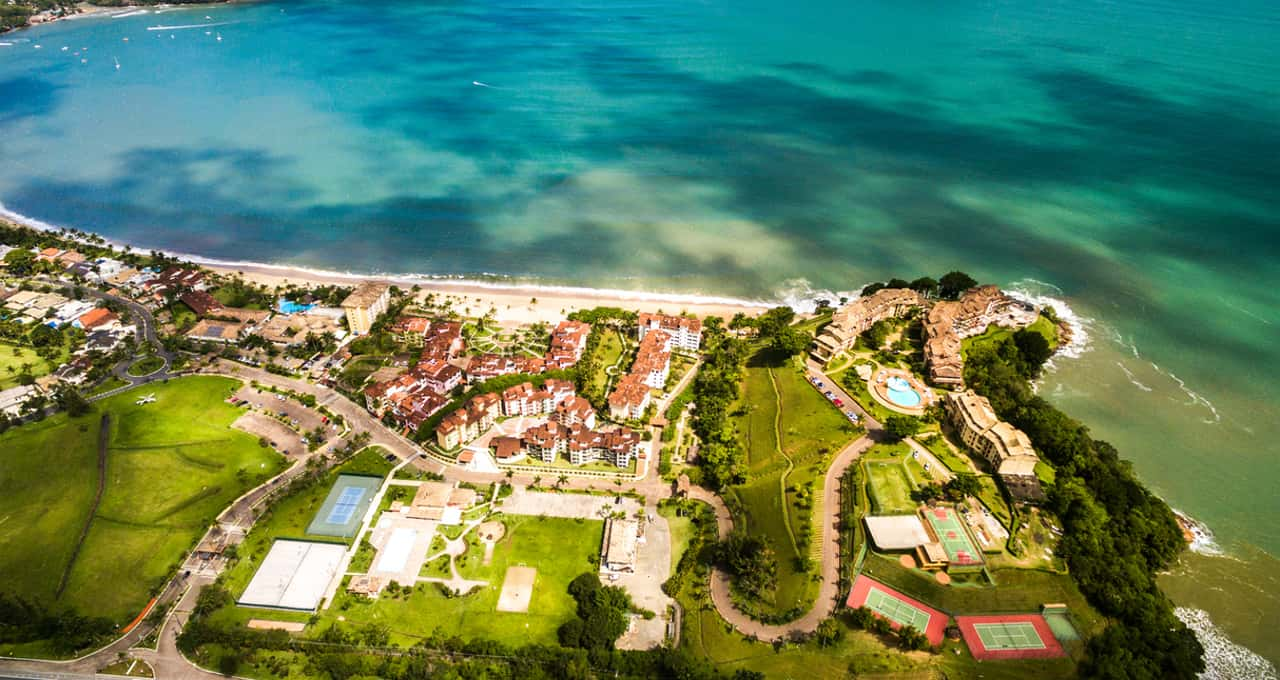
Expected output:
(1117, 536)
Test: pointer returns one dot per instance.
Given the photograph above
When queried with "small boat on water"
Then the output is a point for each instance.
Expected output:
(117, 63)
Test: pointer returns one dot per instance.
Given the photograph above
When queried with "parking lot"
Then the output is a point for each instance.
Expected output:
(299, 417)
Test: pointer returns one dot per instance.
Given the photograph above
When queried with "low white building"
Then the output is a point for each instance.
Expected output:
(11, 400)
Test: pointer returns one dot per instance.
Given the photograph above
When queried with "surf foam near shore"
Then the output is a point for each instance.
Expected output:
(1224, 659)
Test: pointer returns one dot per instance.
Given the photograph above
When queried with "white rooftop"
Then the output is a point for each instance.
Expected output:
(897, 532)
(294, 575)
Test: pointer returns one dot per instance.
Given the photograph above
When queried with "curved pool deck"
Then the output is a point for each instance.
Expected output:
(900, 391)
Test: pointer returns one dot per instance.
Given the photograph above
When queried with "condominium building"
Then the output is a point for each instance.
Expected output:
(948, 323)
(579, 443)
(859, 315)
(685, 333)
(1004, 446)
(629, 399)
(568, 341)
(364, 304)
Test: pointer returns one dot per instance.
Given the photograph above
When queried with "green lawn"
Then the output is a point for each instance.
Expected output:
(941, 449)
(172, 466)
(758, 426)
(890, 488)
(681, 533)
(107, 385)
(995, 334)
(560, 549)
(146, 366)
(14, 357)
(607, 353)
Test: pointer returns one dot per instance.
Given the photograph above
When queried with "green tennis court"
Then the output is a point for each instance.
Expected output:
(1003, 636)
(896, 610)
(953, 537)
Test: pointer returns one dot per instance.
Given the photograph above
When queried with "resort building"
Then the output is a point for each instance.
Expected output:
(487, 366)
(411, 330)
(576, 411)
(99, 318)
(441, 501)
(948, 323)
(200, 302)
(859, 315)
(653, 359)
(621, 540)
(629, 399)
(685, 333)
(365, 304)
(1004, 446)
(579, 443)
(525, 400)
(568, 341)
(469, 422)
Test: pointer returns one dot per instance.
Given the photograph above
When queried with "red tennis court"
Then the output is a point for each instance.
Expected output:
(1009, 636)
(896, 608)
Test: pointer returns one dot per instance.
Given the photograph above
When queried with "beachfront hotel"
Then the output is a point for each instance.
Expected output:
(364, 304)
(685, 333)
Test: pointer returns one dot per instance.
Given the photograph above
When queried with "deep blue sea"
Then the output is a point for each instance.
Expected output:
(1120, 158)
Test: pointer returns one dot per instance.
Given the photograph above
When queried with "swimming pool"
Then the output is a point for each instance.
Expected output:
(900, 392)
(290, 307)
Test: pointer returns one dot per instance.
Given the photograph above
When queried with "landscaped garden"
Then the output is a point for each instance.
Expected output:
(171, 467)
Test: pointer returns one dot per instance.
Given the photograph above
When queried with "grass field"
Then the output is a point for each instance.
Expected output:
(789, 431)
(560, 549)
(14, 357)
(890, 488)
(172, 466)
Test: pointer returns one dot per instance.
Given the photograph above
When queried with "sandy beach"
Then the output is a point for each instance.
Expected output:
(510, 304)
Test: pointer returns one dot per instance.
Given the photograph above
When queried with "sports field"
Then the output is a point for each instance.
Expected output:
(1015, 636)
(171, 467)
(951, 533)
(557, 549)
(890, 488)
(897, 608)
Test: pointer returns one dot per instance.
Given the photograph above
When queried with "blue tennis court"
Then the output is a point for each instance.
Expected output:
(345, 506)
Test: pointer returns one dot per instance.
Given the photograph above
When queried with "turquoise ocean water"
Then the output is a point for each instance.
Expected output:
(1121, 158)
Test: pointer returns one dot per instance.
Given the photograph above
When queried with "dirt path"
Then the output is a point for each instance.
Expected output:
(791, 465)
(104, 432)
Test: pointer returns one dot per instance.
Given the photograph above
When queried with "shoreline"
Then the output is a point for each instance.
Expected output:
(514, 303)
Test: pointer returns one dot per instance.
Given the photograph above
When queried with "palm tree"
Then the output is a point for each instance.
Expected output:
(537, 479)
(510, 474)
(562, 480)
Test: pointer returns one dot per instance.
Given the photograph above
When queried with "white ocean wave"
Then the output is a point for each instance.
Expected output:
(1136, 383)
(1224, 659)
(1042, 294)
(1203, 541)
